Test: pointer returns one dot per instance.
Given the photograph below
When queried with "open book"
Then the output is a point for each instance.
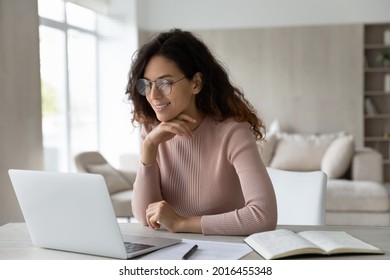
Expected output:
(282, 243)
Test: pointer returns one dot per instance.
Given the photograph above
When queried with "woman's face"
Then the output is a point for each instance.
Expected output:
(182, 97)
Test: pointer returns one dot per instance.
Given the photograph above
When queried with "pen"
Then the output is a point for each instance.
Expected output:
(190, 252)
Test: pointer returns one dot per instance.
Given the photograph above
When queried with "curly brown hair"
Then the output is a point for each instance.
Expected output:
(218, 98)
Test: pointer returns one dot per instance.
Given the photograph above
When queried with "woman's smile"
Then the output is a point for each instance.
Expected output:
(159, 107)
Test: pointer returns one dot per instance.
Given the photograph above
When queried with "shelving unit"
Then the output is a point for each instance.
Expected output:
(377, 92)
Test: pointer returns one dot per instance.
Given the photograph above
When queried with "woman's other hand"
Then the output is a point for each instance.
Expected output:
(162, 214)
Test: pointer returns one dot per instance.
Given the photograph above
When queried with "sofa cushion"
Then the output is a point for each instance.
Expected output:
(360, 196)
(300, 152)
(338, 156)
(114, 180)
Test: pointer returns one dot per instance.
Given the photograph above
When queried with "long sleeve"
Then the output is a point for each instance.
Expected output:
(146, 188)
(217, 174)
(258, 210)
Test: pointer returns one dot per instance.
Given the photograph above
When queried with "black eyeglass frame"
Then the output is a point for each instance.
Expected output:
(144, 86)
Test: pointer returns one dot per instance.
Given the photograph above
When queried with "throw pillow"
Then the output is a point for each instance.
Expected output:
(266, 148)
(338, 156)
(274, 127)
(301, 152)
(114, 180)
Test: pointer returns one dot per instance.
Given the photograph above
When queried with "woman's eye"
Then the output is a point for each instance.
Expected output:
(164, 85)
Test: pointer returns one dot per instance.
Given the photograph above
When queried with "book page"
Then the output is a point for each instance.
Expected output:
(280, 243)
(338, 242)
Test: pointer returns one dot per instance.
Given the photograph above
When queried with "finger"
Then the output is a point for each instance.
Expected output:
(186, 121)
(177, 127)
(153, 222)
(186, 117)
(149, 215)
(152, 216)
(155, 225)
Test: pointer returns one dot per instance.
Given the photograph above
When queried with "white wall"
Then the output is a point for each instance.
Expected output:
(233, 14)
(307, 77)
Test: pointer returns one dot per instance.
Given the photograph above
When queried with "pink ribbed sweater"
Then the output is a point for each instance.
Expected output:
(217, 174)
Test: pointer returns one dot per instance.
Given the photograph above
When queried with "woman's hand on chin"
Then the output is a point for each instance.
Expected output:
(166, 130)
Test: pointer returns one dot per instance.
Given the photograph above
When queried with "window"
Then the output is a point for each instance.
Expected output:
(54, 97)
(52, 9)
(82, 100)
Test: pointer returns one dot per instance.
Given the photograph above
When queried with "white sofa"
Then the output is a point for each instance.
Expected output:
(356, 194)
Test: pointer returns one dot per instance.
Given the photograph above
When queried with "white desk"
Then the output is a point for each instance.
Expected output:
(15, 242)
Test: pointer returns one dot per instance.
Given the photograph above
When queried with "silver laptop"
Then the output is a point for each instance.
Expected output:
(73, 212)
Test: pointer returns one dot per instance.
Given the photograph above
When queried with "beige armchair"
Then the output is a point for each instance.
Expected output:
(119, 182)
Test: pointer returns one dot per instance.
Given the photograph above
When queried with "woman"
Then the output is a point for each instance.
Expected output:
(200, 168)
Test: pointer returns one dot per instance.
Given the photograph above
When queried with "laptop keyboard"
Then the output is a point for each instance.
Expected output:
(135, 247)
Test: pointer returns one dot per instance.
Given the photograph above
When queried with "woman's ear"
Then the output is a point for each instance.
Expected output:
(198, 82)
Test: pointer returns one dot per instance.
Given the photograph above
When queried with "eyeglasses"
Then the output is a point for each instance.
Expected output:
(144, 86)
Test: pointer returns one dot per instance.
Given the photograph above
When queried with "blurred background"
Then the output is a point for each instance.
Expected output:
(64, 67)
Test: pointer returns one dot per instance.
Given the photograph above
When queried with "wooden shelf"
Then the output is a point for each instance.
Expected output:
(376, 47)
(376, 93)
(376, 99)
(377, 116)
(376, 139)
(377, 69)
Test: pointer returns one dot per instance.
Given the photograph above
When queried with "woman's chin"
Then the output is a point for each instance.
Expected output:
(164, 118)
(167, 116)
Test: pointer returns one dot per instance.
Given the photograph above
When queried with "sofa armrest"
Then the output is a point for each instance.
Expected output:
(367, 165)
(129, 176)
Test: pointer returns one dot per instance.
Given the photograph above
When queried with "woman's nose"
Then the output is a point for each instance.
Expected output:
(155, 93)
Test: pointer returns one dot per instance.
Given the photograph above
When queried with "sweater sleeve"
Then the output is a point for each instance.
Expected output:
(146, 188)
(259, 212)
